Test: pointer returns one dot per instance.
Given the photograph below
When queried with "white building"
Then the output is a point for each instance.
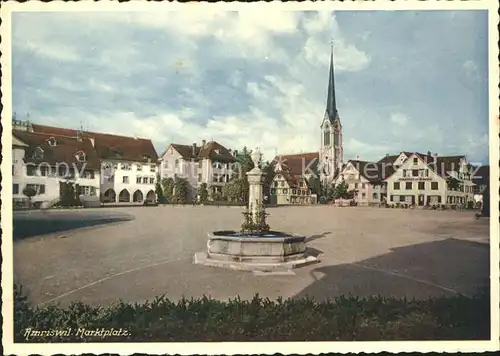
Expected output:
(126, 167)
(44, 162)
(209, 163)
(425, 179)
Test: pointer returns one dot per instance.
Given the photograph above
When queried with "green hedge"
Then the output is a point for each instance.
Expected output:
(204, 319)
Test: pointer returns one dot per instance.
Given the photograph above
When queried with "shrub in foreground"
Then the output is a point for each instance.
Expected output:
(205, 319)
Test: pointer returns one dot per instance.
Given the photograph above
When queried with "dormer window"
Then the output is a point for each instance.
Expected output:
(146, 158)
(139, 167)
(38, 154)
(217, 151)
(52, 142)
(81, 156)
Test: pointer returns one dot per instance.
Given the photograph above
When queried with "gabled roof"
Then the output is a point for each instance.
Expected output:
(374, 172)
(109, 146)
(292, 166)
(63, 152)
(207, 151)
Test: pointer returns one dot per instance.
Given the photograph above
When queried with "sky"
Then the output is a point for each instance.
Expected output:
(405, 80)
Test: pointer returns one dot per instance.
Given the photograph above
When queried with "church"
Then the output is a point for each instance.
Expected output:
(290, 184)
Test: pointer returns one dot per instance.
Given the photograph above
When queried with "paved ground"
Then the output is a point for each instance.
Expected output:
(363, 251)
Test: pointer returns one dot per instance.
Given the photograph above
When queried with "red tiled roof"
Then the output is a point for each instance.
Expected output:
(109, 146)
(293, 166)
(63, 152)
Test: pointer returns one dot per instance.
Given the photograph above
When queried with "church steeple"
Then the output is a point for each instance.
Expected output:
(331, 104)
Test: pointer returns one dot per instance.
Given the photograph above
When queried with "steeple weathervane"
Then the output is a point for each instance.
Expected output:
(331, 105)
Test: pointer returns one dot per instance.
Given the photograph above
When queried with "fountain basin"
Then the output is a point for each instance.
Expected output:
(261, 252)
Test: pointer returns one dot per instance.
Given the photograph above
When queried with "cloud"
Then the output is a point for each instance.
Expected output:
(246, 79)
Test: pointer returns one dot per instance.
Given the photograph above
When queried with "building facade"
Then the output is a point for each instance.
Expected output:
(291, 181)
(365, 181)
(428, 179)
(124, 169)
(209, 163)
(45, 162)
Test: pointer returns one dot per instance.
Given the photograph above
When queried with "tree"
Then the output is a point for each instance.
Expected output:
(29, 192)
(268, 169)
(453, 183)
(330, 192)
(235, 190)
(245, 164)
(168, 188)
(341, 190)
(180, 191)
(159, 190)
(203, 192)
(314, 181)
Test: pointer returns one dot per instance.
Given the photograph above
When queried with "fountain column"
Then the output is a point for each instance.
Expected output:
(255, 182)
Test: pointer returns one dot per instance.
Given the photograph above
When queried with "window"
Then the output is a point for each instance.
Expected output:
(125, 166)
(426, 172)
(396, 185)
(152, 168)
(86, 190)
(199, 177)
(15, 189)
(151, 180)
(165, 164)
(375, 196)
(408, 185)
(30, 170)
(414, 172)
(294, 191)
(145, 180)
(282, 184)
(39, 188)
(421, 185)
(71, 173)
(285, 191)
(273, 191)
(326, 138)
(44, 171)
(81, 156)
(62, 171)
(176, 163)
(139, 166)
(52, 142)
(434, 185)
(415, 160)
(125, 179)
(138, 180)
(200, 164)
(363, 195)
(404, 172)
(363, 186)
(87, 174)
(111, 179)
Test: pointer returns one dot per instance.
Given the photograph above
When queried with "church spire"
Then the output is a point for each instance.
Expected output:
(331, 105)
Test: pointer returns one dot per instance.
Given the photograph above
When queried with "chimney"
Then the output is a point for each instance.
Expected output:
(203, 143)
(387, 155)
(357, 158)
(194, 149)
(429, 153)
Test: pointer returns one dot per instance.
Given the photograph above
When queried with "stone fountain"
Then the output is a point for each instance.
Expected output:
(255, 247)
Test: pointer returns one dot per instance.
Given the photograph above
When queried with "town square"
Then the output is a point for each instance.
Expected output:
(187, 176)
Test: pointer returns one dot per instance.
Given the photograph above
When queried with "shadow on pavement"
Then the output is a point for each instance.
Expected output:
(29, 225)
(441, 268)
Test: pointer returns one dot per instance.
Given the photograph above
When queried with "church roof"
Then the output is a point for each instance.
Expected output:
(331, 104)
